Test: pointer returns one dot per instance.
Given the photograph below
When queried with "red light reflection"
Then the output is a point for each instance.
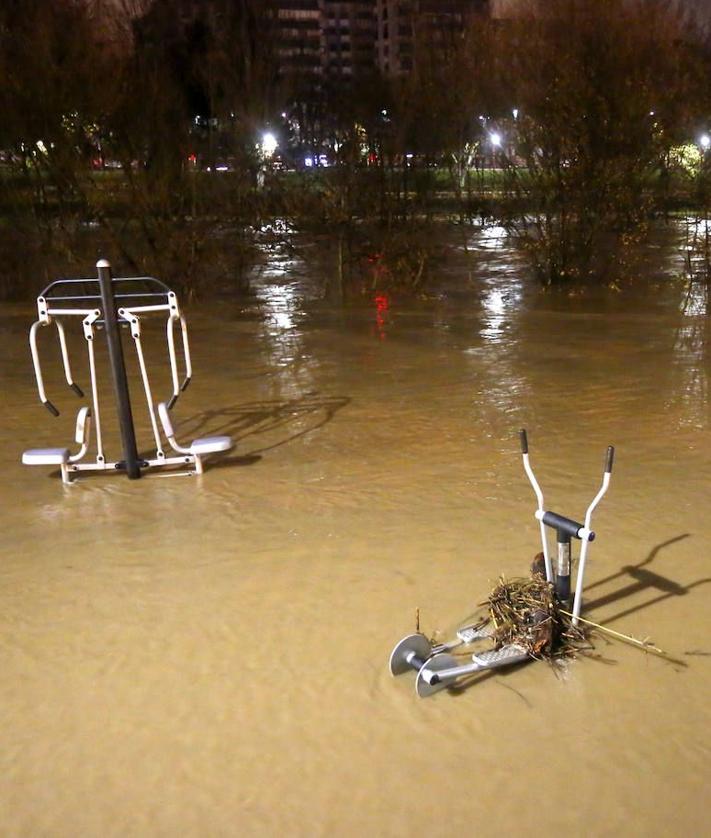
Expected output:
(382, 306)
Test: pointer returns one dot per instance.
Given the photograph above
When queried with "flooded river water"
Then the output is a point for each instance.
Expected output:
(209, 656)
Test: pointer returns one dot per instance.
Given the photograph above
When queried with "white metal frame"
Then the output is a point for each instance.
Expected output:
(539, 514)
(585, 533)
(52, 309)
(578, 601)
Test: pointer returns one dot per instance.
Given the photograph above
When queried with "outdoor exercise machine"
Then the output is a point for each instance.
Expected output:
(434, 664)
(109, 303)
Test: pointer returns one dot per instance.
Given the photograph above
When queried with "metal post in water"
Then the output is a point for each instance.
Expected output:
(562, 568)
(118, 371)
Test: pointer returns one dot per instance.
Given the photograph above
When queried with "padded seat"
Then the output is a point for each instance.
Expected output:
(46, 457)
(210, 445)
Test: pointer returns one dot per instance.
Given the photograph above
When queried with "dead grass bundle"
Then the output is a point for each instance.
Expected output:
(526, 612)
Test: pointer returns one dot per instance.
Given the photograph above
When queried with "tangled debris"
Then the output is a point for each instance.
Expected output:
(526, 612)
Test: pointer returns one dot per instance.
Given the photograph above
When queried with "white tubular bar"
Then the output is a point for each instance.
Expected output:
(177, 313)
(178, 388)
(82, 433)
(65, 353)
(449, 674)
(169, 432)
(105, 465)
(36, 360)
(111, 466)
(77, 312)
(142, 309)
(186, 352)
(88, 325)
(172, 356)
(539, 498)
(135, 324)
(187, 460)
(578, 601)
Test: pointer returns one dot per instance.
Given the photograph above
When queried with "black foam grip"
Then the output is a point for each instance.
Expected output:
(77, 389)
(524, 441)
(563, 525)
(51, 408)
(609, 459)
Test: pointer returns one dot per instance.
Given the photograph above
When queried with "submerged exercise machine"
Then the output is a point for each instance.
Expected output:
(434, 664)
(566, 529)
(108, 303)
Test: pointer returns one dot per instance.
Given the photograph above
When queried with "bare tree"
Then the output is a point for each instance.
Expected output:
(603, 89)
(51, 62)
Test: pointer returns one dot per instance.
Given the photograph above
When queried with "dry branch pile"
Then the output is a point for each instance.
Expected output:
(526, 612)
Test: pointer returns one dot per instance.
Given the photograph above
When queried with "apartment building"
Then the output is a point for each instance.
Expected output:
(338, 39)
(298, 26)
(403, 24)
(349, 37)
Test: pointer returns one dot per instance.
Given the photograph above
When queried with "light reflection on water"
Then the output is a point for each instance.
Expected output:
(696, 299)
(282, 339)
(491, 237)
(280, 304)
(689, 399)
(691, 339)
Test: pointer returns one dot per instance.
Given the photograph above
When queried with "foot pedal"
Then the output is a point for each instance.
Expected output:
(505, 656)
(468, 634)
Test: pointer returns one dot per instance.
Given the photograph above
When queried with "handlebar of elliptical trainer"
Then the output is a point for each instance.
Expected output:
(524, 441)
(609, 459)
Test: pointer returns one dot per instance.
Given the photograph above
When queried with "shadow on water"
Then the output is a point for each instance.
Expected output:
(287, 420)
(643, 579)
(500, 675)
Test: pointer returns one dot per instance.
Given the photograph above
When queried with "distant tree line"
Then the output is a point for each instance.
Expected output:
(574, 123)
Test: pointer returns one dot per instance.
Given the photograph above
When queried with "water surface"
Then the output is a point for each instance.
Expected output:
(209, 656)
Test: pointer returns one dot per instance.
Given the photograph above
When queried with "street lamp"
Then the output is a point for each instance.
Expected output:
(495, 141)
(269, 144)
(705, 142)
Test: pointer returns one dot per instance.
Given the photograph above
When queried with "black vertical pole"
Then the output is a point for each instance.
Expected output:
(562, 570)
(118, 371)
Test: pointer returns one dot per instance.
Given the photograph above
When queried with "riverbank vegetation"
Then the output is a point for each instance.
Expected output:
(166, 141)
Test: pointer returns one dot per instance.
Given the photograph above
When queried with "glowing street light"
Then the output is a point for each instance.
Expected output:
(269, 144)
(495, 139)
(705, 141)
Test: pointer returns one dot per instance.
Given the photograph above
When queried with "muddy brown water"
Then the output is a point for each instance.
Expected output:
(208, 656)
